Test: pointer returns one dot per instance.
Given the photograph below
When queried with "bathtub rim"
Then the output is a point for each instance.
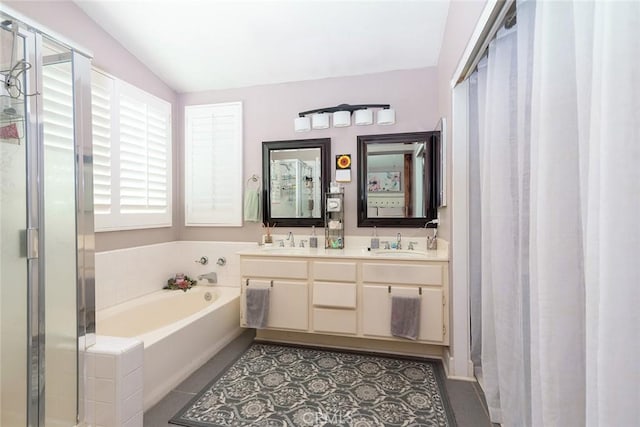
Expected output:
(224, 294)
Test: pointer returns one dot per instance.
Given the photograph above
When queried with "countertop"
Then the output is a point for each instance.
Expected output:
(441, 254)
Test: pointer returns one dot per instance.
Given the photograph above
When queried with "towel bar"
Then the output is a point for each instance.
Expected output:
(270, 284)
(419, 290)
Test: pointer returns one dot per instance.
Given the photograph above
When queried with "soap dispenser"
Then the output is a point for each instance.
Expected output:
(313, 240)
(375, 241)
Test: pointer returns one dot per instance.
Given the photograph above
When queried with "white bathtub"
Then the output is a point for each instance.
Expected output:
(180, 331)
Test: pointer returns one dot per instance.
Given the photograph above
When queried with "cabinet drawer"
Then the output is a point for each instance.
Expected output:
(331, 320)
(335, 271)
(274, 268)
(428, 274)
(341, 295)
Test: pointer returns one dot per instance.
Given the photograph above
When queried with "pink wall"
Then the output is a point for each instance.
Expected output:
(269, 112)
(461, 21)
(419, 96)
(69, 21)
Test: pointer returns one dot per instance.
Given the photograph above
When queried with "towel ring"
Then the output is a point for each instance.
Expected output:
(254, 178)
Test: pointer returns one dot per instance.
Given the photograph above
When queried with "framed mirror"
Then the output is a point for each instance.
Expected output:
(295, 176)
(398, 178)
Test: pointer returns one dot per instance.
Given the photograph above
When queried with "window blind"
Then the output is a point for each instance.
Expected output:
(102, 89)
(57, 105)
(213, 166)
(132, 156)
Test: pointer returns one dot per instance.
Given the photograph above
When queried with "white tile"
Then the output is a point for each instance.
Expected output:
(90, 364)
(105, 391)
(131, 406)
(89, 412)
(132, 359)
(135, 421)
(132, 383)
(90, 388)
(105, 366)
(105, 414)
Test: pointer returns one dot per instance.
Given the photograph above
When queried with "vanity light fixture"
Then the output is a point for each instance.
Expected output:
(319, 118)
(302, 124)
(320, 121)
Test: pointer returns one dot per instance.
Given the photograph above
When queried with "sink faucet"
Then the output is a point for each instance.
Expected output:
(291, 239)
(211, 277)
(399, 241)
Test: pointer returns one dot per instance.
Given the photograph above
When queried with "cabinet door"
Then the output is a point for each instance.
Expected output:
(288, 305)
(376, 313)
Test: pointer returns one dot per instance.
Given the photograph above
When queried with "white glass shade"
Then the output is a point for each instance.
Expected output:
(320, 121)
(387, 116)
(363, 117)
(302, 124)
(341, 119)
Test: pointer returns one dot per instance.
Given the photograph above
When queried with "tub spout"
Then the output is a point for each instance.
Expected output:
(211, 277)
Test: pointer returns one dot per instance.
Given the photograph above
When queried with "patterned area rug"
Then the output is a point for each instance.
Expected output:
(274, 385)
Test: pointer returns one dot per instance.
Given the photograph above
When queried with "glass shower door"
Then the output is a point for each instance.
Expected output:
(13, 223)
(58, 225)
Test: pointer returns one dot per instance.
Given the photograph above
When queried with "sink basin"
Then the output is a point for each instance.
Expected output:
(399, 253)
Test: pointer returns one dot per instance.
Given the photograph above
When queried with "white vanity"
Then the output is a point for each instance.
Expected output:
(342, 298)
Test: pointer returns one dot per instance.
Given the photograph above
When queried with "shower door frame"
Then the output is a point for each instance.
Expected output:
(35, 233)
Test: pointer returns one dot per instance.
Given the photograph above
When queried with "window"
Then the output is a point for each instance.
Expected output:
(132, 156)
(213, 165)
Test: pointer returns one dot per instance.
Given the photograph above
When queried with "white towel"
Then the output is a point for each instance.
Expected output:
(252, 205)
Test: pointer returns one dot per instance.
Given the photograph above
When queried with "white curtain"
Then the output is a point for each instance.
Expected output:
(559, 138)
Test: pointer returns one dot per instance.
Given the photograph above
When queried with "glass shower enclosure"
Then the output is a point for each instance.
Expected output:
(46, 226)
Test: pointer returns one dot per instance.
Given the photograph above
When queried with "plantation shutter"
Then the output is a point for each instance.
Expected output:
(132, 156)
(102, 90)
(213, 167)
(57, 106)
(143, 155)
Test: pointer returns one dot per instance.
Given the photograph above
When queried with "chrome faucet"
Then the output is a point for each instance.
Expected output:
(211, 277)
(399, 241)
(412, 245)
(291, 239)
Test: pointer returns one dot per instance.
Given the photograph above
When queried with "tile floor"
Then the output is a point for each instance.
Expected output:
(466, 397)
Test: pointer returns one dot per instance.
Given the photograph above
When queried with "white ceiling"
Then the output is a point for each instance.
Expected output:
(196, 45)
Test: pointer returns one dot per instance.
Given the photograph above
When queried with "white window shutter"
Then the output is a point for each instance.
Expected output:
(213, 167)
(132, 157)
(58, 106)
(102, 91)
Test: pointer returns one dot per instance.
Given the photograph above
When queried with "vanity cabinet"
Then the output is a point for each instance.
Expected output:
(350, 297)
(288, 299)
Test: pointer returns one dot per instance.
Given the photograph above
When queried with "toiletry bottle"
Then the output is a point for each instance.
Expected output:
(313, 240)
(375, 241)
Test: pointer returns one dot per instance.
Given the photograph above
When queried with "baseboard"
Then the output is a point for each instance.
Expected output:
(448, 362)
(352, 343)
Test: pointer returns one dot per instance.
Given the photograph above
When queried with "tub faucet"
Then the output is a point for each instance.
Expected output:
(211, 277)
(291, 239)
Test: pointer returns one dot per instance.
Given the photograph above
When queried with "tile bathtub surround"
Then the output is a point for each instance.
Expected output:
(114, 382)
(125, 274)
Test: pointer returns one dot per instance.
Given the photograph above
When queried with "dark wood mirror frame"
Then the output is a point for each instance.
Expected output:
(325, 170)
(431, 174)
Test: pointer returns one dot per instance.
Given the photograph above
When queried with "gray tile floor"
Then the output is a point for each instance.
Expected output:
(467, 399)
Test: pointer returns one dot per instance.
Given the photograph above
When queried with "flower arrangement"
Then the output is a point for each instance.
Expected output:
(181, 282)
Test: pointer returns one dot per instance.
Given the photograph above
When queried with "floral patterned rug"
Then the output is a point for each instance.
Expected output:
(274, 385)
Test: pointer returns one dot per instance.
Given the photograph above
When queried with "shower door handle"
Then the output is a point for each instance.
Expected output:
(32, 243)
